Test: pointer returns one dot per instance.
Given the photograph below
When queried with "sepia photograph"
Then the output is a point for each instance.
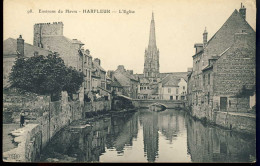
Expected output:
(129, 81)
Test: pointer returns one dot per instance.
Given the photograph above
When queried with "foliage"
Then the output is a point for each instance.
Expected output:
(73, 80)
(244, 92)
(44, 75)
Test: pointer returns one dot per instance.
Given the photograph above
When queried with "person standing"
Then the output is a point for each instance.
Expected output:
(22, 114)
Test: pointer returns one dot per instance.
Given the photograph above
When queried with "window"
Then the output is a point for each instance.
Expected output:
(177, 91)
(209, 78)
(204, 79)
(169, 90)
(183, 87)
(208, 97)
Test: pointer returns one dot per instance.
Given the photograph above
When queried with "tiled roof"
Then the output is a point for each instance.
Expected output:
(170, 80)
(163, 75)
(10, 48)
(115, 83)
(122, 79)
(144, 80)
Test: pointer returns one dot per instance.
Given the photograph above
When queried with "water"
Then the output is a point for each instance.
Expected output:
(144, 136)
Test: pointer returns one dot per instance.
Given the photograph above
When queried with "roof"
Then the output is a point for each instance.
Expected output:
(59, 38)
(144, 80)
(207, 67)
(98, 66)
(10, 48)
(170, 81)
(126, 97)
(163, 75)
(75, 41)
(108, 78)
(155, 91)
(115, 83)
(126, 74)
(224, 37)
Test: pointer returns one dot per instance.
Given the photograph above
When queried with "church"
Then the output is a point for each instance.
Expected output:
(152, 82)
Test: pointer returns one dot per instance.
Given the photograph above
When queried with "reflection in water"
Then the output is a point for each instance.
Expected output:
(150, 135)
(211, 144)
(145, 136)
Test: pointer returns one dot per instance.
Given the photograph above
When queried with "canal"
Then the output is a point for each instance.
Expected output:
(144, 136)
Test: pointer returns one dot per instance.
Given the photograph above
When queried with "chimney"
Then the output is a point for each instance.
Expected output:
(87, 52)
(242, 11)
(131, 72)
(20, 46)
(110, 73)
(198, 47)
(205, 38)
(121, 68)
(97, 61)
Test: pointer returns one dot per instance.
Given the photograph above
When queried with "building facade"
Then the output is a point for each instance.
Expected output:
(50, 37)
(223, 74)
(14, 48)
(127, 80)
(172, 88)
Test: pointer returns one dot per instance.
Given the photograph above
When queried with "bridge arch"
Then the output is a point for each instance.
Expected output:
(158, 104)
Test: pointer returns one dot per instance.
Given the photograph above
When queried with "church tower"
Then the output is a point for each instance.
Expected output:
(151, 57)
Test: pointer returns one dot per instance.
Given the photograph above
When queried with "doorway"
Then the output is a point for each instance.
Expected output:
(223, 103)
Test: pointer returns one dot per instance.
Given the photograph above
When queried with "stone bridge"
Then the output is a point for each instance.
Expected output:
(170, 104)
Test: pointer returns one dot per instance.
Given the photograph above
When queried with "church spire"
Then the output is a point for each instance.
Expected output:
(152, 40)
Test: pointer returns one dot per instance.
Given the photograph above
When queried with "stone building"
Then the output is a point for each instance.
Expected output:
(223, 76)
(127, 80)
(172, 88)
(115, 87)
(13, 48)
(50, 37)
(88, 67)
(98, 76)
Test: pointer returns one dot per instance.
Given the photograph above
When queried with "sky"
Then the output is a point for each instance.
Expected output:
(120, 38)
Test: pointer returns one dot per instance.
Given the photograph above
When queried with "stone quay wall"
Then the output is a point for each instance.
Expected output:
(237, 121)
(59, 116)
(96, 107)
(43, 119)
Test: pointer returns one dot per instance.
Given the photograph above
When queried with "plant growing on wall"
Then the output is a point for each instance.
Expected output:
(42, 75)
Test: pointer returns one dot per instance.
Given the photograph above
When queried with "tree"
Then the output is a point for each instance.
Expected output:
(43, 75)
(73, 80)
